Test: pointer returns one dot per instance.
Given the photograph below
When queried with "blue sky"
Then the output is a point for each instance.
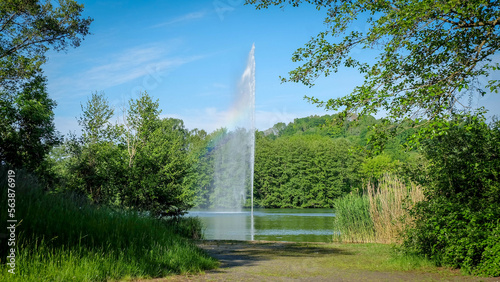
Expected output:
(190, 55)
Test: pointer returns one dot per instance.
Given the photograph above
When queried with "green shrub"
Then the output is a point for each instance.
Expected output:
(458, 223)
(490, 261)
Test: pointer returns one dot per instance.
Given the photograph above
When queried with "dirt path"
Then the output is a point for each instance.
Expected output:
(278, 261)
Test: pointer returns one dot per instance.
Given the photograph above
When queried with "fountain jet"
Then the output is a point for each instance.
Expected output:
(235, 155)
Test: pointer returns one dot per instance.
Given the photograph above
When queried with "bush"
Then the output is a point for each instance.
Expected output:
(458, 223)
(490, 260)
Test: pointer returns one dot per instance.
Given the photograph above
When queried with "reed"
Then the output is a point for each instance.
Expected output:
(379, 215)
(352, 222)
(390, 203)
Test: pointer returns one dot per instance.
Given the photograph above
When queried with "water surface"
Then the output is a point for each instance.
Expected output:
(291, 225)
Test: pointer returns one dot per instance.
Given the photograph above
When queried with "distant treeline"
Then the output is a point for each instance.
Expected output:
(312, 161)
(307, 163)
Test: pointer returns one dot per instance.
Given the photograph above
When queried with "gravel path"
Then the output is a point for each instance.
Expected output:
(279, 261)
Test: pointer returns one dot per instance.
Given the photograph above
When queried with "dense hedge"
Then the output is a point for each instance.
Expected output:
(459, 223)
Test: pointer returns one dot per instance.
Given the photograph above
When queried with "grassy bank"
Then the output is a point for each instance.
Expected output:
(62, 238)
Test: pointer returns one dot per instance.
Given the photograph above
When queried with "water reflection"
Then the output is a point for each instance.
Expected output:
(313, 225)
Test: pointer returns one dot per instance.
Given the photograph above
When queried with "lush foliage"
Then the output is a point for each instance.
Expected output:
(304, 164)
(314, 162)
(141, 165)
(64, 238)
(28, 29)
(352, 221)
(27, 131)
(458, 224)
(201, 176)
(304, 171)
(158, 161)
(148, 165)
(431, 53)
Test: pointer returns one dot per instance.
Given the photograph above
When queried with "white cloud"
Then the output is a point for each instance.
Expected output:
(132, 65)
(152, 63)
(183, 18)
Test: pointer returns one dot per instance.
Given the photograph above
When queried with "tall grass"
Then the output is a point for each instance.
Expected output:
(352, 221)
(62, 238)
(378, 215)
(390, 202)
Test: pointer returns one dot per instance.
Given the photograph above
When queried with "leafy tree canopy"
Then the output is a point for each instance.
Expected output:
(95, 119)
(431, 53)
(27, 131)
(28, 28)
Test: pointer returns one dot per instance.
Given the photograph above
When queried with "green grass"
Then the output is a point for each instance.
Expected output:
(352, 221)
(381, 257)
(319, 260)
(62, 238)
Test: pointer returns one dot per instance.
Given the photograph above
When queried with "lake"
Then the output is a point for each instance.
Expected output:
(291, 225)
